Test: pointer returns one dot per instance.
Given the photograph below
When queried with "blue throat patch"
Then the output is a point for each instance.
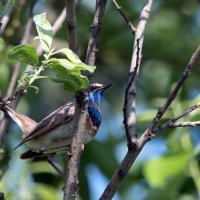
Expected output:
(94, 107)
(95, 116)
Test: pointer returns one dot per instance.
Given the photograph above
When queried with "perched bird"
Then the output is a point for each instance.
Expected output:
(53, 134)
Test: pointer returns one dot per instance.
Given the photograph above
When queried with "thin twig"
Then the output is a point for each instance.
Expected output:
(135, 149)
(95, 33)
(183, 124)
(58, 23)
(129, 23)
(173, 122)
(71, 25)
(174, 93)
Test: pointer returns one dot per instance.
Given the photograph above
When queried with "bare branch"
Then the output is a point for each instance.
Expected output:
(71, 180)
(136, 144)
(130, 99)
(71, 25)
(174, 93)
(95, 32)
(58, 23)
(128, 93)
(184, 124)
(71, 187)
(129, 23)
(173, 122)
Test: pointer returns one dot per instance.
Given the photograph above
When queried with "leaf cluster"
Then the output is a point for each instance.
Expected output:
(66, 70)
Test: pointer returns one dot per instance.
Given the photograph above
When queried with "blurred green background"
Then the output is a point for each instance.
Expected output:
(169, 165)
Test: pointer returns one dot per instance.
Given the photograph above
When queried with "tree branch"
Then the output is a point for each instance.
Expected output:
(71, 25)
(174, 93)
(136, 145)
(130, 94)
(173, 122)
(95, 33)
(71, 187)
(129, 23)
(131, 136)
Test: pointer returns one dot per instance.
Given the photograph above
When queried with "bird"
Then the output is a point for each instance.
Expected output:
(54, 133)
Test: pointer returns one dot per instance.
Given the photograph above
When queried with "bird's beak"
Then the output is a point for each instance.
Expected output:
(106, 87)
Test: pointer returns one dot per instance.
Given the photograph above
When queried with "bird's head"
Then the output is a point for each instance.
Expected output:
(96, 92)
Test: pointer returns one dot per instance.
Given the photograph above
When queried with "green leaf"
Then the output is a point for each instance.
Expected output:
(73, 58)
(35, 88)
(24, 53)
(63, 63)
(69, 65)
(70, 55)
(45, 31)
(6, 7)
(160, 170)
(71, 80)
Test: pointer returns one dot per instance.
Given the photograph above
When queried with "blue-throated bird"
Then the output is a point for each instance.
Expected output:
(54, 133)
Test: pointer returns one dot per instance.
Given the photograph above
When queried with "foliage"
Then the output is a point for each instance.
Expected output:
(67, 70)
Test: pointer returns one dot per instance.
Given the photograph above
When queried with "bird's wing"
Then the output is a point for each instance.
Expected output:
(62, 115)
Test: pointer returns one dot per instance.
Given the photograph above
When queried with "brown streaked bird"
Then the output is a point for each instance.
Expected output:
(53, 134)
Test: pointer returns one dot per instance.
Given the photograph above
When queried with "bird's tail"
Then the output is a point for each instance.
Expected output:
(25, 123)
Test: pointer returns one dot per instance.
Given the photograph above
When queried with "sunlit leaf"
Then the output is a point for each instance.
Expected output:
(6, 7)
(45, 31)
(70, 55)
(70, 65)
(63, 63)
(71, 80)
(24, 53)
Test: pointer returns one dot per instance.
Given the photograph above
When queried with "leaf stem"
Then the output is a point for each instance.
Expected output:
(40, 69)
